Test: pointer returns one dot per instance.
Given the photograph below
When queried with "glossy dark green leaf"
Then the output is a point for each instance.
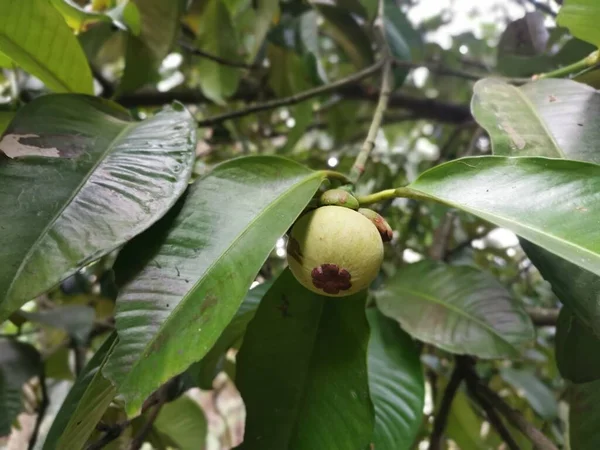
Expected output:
(457, 308)
(146, 51)
(348, 34)
(81, 179)
(192, 270)
(581, 18)
(183, 421)
(205, 371)
(302, 371)
(31, 31)
(396, 383)
(19, 362)
(550, 202)
(76, 320)
(535, 391)
(554, 119)
(84, 405)
(584, 416)
(217, 80)
(266, 10)
(577, 355)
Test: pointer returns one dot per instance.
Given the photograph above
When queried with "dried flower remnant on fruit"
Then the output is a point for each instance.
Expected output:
(331, 278)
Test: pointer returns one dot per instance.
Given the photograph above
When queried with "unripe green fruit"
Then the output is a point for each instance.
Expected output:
(338, 197)
(334, 251)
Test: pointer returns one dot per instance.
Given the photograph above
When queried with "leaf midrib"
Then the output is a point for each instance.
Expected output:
(459, 311)
(208, 271)
(68, 202)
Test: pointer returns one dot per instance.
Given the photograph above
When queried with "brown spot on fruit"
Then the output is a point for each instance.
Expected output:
(331, 279)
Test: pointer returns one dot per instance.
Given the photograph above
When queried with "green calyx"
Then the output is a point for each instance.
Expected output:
(385, 231)
(338, 197)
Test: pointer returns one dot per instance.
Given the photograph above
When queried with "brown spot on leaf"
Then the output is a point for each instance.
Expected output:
(294, 250)
(331, 279)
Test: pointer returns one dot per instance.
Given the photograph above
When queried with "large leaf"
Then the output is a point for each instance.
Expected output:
(146, 51)
(37, 38)
(457, 308)
(183, 422)
(584, 416)
(192, 269)
(205, 371)
(84, 405)
(577, 355)
(302, 371)
(396, 383)
(537, 393)
(76, 320)
(19, 362)
(581, 18)
(80, 180)
(550, 202)
(552, 117)
(217, 80)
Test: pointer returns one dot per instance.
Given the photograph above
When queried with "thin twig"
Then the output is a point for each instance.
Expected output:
(387, 84)
(223, 61)
(441, 418)
(467, 365)
(111, 432)
(43, 406)
(293, 99)
(108, 89)
(139, 439)
(537, 438)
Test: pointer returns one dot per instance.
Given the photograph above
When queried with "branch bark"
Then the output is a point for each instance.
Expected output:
(543, 317)
(441, 418)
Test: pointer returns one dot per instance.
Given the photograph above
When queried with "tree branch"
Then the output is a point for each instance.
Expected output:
(139, 439)
(537, 438)
(543, 317)
(293, 99)
(43, 406)
(223, 61)
(441, 418)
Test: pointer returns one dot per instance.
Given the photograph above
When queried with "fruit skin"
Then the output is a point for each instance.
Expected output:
(383, 227)
(338, 197)
(334, 251)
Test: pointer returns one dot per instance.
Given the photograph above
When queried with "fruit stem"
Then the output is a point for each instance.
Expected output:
(335, 175)
(402, 192)
(589, 61)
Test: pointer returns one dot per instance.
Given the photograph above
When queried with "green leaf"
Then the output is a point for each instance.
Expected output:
(348, 34)
(183, 422)
(581, 18)
(302, 371)
(576, 288)
(205, 371)
(19, 362)
(265, 12)
(584, 416)
(5, 118)
(464, 424)
(217, 81)
(396, 383)
(81, 179)
(76, 320)
(31, 33)
(577, 346)
(206, 253)
(550, 118)
(145, 53)
(550, 202)
(457, 308)
(77, 17)
(394, 24)
(537, 394)
(84, 405)
(553, 118)
(289, 73)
